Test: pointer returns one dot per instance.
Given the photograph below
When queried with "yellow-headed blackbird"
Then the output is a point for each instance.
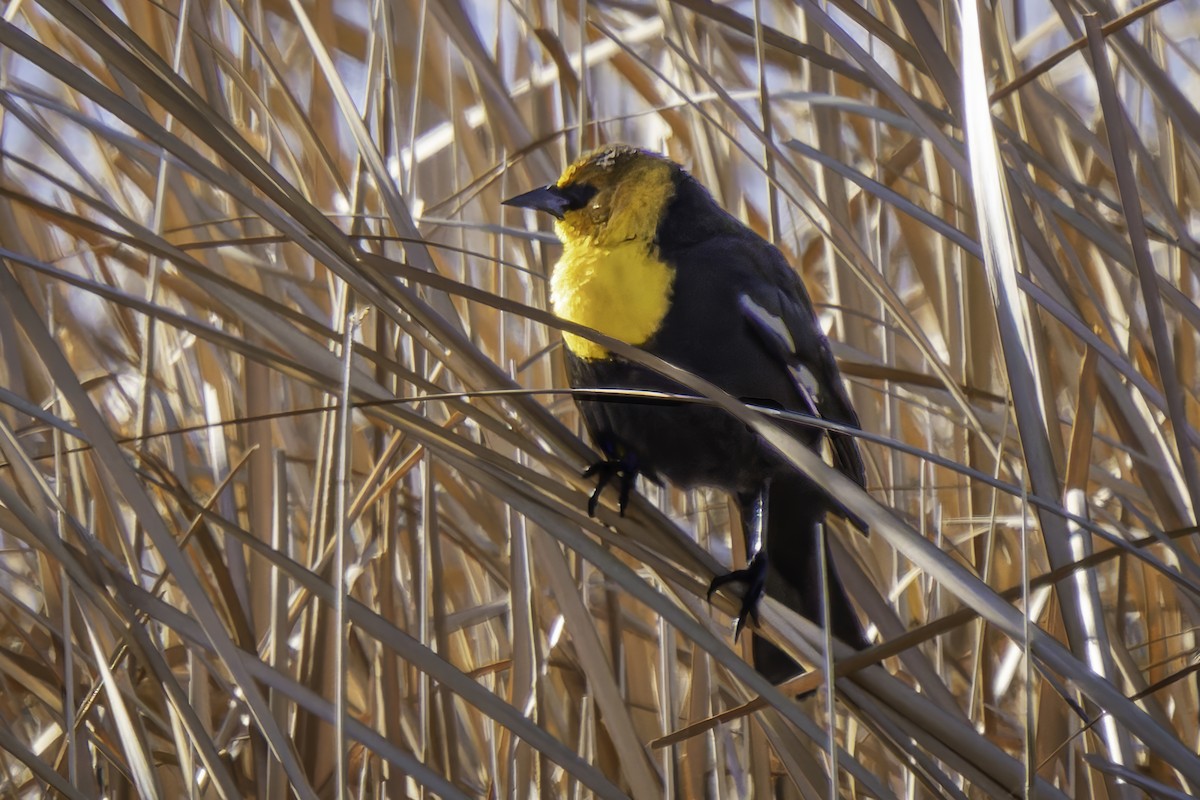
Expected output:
(649, 258)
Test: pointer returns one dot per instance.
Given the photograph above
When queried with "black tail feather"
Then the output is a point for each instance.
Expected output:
(795, 511)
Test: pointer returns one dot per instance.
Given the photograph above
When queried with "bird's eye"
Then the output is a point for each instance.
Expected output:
(577, 195)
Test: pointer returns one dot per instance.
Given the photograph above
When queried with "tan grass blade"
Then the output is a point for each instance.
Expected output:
(198, 600)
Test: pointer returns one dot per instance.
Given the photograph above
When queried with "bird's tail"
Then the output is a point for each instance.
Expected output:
(795, 510)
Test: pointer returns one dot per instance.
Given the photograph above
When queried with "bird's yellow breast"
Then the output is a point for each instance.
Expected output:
(623, 291)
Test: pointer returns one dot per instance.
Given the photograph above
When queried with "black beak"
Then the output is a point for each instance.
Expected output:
(548, 198)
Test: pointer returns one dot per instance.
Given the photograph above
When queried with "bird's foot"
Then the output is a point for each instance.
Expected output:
(625, 470)
(754, 576)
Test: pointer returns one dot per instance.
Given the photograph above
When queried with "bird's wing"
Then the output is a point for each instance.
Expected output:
(779, 311)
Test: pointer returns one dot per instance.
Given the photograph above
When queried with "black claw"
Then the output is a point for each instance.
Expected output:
(594, 499)
(625, 469)
(605, 471)
(628, 478)
(754, 576)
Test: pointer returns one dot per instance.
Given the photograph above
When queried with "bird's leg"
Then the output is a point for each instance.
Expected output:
(756, 528)
(754, 576)
(622, 465)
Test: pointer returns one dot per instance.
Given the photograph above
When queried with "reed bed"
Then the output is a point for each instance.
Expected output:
(290, 494)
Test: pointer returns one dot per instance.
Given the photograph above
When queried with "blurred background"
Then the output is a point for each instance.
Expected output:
(290, 494)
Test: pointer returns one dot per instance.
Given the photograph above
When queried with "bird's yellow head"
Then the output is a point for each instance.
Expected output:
(609, 206)
(613, 195)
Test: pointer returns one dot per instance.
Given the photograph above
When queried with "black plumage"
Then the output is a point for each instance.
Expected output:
(739, 317)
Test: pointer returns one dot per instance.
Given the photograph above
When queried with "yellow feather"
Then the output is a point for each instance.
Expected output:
(623, 292)
(610, 276)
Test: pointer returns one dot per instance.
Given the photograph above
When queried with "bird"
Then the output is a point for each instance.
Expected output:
(651, 259)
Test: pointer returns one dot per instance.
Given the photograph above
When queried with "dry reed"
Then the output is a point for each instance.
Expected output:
(290, 501)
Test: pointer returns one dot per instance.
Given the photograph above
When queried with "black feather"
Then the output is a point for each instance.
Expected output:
(706, 330)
